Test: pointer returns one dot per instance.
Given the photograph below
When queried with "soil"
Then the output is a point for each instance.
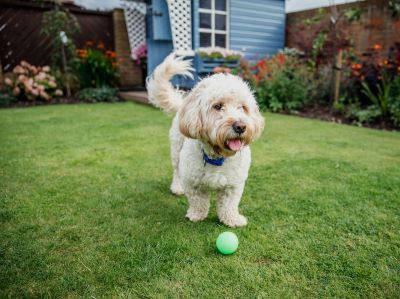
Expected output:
(63, 100)
(326, 114)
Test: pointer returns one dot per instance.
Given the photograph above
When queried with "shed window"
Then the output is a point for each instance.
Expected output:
(214, 25)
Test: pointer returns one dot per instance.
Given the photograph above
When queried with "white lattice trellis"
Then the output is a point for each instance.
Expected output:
(181, 26)
(135, 13)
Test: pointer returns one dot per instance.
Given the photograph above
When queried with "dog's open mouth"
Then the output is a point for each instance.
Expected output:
(234, 144)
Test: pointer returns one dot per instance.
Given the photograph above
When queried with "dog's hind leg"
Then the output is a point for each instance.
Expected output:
(176, 141)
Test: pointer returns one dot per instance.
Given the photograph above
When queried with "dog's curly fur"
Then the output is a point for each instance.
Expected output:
(220, 117)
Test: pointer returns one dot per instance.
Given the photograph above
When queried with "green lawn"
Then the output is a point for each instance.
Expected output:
(85, 210)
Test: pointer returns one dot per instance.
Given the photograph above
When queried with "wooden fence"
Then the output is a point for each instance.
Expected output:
(21, 37)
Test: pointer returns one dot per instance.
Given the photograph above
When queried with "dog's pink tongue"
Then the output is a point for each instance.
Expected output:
(234, 144)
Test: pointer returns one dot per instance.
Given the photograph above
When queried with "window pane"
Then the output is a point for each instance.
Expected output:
(220, 22)
(205, 39)
(205, 20)
(220, 5)
(205, 4)
(220, 40)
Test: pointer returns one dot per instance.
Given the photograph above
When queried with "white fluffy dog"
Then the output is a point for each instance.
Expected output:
(210, 137)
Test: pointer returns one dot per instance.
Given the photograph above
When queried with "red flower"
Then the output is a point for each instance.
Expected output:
(377, 47)
(356, 66)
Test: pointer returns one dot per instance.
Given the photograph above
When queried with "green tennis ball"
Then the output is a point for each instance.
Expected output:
(227, 243)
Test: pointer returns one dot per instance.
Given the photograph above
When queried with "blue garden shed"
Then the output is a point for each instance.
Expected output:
(255, 28)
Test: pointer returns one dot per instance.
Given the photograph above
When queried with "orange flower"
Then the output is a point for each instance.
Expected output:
(281, 58)
(356, 66)
(111, 54)
(81, 53)
(377, 47)
(262, 65)
(385, 62)
(89, 44)
(100, 45)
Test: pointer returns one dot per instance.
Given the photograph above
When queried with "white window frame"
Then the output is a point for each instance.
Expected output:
(214, 31)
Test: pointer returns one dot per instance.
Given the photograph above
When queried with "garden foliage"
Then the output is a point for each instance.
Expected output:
(101, 94)
(282, 83)
(28, 82)
(97, 66)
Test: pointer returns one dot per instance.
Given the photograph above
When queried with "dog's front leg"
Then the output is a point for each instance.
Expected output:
(228, 206)
(199, 203)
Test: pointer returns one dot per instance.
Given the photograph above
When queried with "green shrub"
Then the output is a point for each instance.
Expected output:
(7, 99)
(284, 84)
(394, 101)
(97, 69)
(93, 95)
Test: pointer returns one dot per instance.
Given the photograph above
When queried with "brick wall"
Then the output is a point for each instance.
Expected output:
(376, 25)
(130, 74)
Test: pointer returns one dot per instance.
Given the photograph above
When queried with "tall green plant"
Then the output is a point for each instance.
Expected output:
(381, 98)
(60, 25)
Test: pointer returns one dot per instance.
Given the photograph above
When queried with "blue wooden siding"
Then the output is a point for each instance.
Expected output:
(195, 24)
(158, 31)
(257, 27)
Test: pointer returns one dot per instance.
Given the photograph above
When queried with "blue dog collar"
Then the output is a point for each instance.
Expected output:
(215, 162)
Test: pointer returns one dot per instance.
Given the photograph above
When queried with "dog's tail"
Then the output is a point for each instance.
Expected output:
(161, 93)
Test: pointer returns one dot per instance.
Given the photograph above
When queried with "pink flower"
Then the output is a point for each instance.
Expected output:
(21, 78)
(24, 64)
(46, 69)
(40, 76)
(58, 92)
(40, 87)
(28, 84)
(16, 91)
(44, 95)
(8, 82)
(19, 70)
(35, 92)
(52, 84)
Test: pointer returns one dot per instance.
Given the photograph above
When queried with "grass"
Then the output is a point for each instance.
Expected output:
(85, 210)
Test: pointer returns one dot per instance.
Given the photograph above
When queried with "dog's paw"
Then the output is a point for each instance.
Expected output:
(177, 189)
(234, 221)
(195, 215)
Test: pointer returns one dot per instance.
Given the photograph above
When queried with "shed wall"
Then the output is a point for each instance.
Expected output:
(257, 27)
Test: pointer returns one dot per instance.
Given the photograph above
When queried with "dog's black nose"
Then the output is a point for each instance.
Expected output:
(239, 127)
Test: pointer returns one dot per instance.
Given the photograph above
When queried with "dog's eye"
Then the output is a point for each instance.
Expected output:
(244, 108)
(218, 106)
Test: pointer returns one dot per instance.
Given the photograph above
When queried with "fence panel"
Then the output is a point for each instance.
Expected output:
(21, 37)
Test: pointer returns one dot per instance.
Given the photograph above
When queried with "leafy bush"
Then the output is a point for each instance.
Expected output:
(375, 83)
(394, 101)
(93, 95)
(28, 82)
(282, 83)
(6, 99)
(97, 67)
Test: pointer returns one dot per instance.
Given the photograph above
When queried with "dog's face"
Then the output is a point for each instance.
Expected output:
(221, 111)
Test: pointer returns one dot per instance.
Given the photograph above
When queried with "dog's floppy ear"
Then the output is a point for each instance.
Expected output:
(258, 121)
(190, 123)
